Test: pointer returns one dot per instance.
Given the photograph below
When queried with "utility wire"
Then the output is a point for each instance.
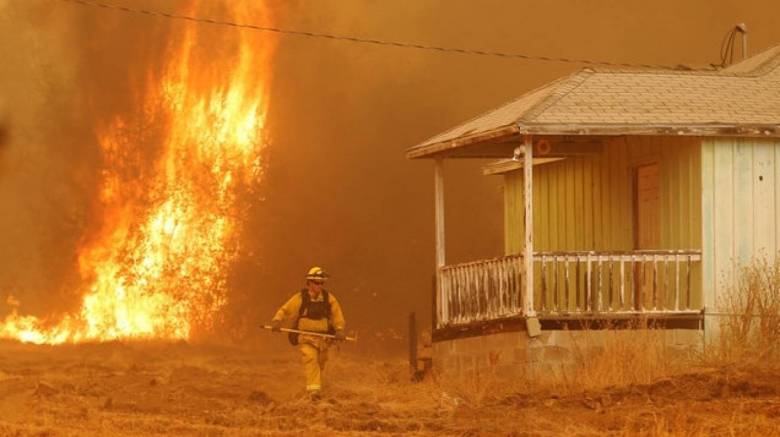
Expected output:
(493, 53)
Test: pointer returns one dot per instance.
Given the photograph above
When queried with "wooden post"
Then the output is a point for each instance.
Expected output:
(413, 343)
(439, 211)
(434, 310)
(528, 174)
(438, 185)
(533, 328)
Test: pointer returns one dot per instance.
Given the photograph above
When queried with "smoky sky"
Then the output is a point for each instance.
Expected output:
(337, 190)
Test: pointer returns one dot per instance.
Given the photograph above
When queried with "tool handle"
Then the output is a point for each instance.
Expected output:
(315, 334)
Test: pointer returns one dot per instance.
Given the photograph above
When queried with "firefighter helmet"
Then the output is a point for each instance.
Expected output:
(316, 274)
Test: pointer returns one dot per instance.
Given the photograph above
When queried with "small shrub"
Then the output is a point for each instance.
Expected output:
(750, 314)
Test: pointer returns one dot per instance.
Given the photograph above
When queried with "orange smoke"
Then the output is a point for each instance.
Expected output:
(171, 227)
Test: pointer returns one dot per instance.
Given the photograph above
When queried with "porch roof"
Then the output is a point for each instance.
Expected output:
(738, 101)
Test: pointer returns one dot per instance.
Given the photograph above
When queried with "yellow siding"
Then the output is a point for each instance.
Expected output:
(587, 202)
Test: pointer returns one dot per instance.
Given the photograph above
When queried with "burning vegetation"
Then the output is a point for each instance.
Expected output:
(170, 220)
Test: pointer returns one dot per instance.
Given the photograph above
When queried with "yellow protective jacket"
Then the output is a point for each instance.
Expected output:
(292, 307)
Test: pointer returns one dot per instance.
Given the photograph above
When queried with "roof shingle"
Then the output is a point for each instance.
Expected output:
(746, 94)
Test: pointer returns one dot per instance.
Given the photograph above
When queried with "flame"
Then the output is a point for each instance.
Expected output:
(158, 267)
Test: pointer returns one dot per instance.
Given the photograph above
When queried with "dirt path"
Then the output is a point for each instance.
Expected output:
(178, 389)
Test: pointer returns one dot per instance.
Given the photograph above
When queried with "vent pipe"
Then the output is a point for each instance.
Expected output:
(742, 28)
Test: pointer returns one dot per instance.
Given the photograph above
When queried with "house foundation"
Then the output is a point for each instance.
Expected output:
(513, 354)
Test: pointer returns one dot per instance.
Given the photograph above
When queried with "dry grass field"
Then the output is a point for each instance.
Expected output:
(623, 387)
(181, 389)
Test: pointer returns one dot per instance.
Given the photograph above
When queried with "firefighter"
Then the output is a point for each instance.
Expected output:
(317, 310)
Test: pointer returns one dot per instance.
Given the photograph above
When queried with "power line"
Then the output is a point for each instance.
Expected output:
(492, 53)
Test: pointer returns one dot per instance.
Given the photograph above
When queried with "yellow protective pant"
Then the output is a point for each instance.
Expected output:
(314, 355)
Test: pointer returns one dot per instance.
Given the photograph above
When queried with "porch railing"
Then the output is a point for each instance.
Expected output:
(570, 283)
(614, 282)
(479, 290)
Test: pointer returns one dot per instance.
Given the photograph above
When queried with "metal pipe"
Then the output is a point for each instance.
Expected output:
(742, 28)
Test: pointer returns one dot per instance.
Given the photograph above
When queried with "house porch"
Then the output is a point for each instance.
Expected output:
(614, 227)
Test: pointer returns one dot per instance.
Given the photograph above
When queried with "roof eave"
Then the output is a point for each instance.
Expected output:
(508, 132)
(435, 149)
(769, 130)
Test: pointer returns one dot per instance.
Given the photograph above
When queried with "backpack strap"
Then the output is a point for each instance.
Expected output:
(326, 297)
(305, 299)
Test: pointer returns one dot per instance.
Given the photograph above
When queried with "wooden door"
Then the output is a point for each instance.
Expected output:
(647, 228)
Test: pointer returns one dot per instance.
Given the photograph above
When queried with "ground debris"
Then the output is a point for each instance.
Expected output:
(45, 390)
(260, 397)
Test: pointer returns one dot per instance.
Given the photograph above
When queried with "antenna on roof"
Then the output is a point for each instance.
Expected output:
(742, 28)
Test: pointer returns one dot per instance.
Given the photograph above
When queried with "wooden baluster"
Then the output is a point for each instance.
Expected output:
(443, 293)
(641, 295)
(462, 290)
(502, 277)
(598, 296)
(452, 305)
(473, 296)
(492, 279)
(544, 282)
(667, 283)
(489, 297)
(507, 299)
(556, 306)
(473, 301)
(688, 283)
(506, 278)
(479, 289)
(453, 284)
(577, 262)
(467, 296)
(520, 286)
(510, 275)
(451, 295)
(476, 292)
(498, 276)
(440, 291)
(506, 294)
(457, 310)
(655, 282)
(611, 265)
(632, 282)
(677, 282)
(492, 276)
(446, 297)
(622, 283)
(589, 286)
(567, 298)
(517, 294)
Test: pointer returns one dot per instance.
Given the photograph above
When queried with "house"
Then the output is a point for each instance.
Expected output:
(628, 194)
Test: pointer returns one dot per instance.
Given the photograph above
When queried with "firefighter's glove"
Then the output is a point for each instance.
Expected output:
(276, 325)
(340, 336)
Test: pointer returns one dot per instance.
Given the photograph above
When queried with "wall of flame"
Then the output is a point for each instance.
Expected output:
(170, 226)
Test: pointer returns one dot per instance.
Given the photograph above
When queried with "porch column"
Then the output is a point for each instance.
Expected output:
(438, 200)
(439, 211)
(528, 180)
